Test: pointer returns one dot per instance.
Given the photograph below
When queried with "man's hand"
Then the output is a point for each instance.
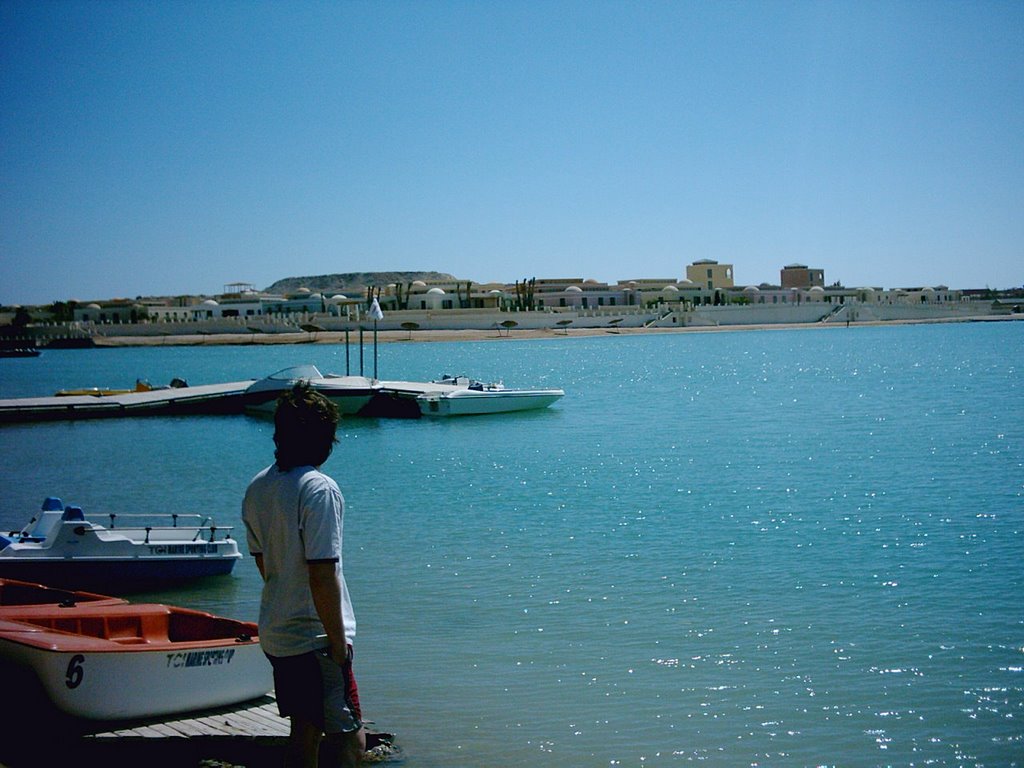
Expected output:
(341, 653)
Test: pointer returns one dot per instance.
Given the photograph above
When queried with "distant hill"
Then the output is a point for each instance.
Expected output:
(350, 283)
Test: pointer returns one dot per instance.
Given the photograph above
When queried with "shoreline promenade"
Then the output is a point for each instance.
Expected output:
(491, 334)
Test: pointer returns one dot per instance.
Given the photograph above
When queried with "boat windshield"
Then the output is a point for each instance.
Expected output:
(296, 372)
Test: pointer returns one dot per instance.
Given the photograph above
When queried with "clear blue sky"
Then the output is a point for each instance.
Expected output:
(173, 147)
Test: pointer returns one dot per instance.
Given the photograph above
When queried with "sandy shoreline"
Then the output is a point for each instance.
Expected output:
(421, 336)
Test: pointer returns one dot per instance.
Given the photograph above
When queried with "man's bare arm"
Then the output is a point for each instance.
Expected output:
(326, 590)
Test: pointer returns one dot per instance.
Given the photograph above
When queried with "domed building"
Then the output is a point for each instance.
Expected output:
(207, 310)
(433, 299)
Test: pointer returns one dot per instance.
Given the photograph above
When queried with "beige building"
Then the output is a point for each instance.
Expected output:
(709, 274)
(801, 276)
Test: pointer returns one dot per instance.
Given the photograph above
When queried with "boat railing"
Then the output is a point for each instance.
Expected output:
(202, 526)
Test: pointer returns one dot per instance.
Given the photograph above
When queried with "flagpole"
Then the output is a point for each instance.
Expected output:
(377, 315)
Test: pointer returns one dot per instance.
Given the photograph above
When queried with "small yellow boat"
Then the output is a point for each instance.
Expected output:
(141, 385)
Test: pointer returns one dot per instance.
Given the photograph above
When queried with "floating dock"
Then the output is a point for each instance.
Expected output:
(202, 399)
(395, 399)
(391, 399)
(251, 733)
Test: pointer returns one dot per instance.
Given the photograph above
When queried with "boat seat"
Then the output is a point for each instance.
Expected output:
(121, 624)
(53, 504)
(73, 515)
(136, 630)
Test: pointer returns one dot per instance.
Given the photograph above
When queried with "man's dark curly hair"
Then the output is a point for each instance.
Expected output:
(305, 424)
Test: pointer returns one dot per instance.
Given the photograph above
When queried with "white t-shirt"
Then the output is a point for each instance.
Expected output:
(294, 518)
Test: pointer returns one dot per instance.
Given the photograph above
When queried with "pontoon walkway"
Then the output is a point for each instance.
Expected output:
(202, 399)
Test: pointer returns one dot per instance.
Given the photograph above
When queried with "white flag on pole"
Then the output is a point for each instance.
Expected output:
(375, 311)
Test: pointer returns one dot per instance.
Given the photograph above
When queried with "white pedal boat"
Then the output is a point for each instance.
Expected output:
(59, 547)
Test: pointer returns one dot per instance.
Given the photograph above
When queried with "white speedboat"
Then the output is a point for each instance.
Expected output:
(349, 393)
(462, 396)
(119, 661)
(60, 547)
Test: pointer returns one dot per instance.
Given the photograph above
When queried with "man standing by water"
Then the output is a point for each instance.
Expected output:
(293, 515)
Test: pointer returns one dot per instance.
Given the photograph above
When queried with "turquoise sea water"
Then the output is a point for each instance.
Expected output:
(763, 548)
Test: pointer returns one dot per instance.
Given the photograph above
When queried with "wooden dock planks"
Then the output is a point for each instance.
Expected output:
(252, 719)
(250, 734)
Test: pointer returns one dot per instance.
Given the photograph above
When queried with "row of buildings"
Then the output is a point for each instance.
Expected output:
(707, 284)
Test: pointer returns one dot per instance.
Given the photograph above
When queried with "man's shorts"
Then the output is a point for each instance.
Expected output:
(313, 688)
